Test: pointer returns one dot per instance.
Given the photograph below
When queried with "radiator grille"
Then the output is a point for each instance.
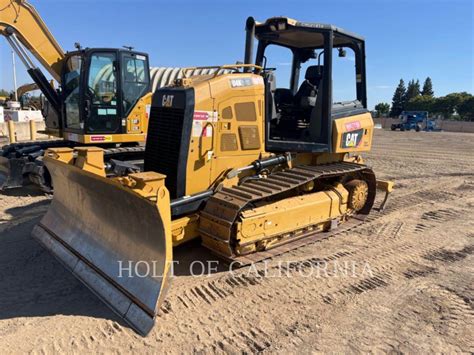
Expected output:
(163, 146)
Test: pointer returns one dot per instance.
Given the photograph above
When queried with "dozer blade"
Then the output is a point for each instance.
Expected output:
(114, 240)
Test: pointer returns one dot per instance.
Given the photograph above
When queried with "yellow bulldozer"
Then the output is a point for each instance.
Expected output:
(252, 169)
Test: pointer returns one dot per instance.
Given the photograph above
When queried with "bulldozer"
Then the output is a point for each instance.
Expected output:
(252, 169)
(103, 98)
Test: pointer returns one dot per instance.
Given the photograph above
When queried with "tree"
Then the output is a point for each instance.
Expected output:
(398, 100)
(382, 108)
(413, 90)
(449, 104)
(427, 88)
(420, 103)
(466, 109)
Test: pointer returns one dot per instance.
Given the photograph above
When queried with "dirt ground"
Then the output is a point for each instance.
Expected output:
(403, 282)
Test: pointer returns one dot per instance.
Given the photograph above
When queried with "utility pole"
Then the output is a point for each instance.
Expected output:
(14, 76)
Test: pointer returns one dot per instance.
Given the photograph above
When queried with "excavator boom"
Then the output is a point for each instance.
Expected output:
(22, 25)
(22, 90)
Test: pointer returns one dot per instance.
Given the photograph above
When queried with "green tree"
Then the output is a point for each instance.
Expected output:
(382, 108)
(466, 109)
(427, 88)
(398, 100)
(420, 103)
(413, 90)
(449, 104)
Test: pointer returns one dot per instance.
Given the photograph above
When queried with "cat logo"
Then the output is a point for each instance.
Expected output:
(352, 139)
(167, 100)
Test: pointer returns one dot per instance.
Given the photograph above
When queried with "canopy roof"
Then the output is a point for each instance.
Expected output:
(291, 33)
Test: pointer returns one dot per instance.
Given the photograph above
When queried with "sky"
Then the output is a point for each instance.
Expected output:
(404, 39)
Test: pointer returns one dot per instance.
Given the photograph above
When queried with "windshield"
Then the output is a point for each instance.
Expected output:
(102, 94)
(135, 80)
(102, 81)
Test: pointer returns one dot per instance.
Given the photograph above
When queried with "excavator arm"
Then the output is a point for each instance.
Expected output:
(23, 27)
(22, 90)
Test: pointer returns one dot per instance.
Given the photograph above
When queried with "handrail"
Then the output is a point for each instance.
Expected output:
(222, 67)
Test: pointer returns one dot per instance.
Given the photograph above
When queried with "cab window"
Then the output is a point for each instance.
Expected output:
(135, 81)
(71, 92)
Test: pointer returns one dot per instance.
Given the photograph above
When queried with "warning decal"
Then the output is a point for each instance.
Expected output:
(101, 138)
(352, 126)
(202, 123)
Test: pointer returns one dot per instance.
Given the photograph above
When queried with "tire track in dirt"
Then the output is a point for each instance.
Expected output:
(222, 287)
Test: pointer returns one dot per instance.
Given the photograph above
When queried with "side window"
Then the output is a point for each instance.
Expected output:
(71, 92)
(135, 81)
(343, 76)
(280, 58)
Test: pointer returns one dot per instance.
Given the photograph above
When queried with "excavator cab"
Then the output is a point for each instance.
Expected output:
(103, 93)
(100, 88)
(300, 117)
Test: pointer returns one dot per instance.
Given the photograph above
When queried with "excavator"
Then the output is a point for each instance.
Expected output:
(252, 169)
(103, 99)
(25, 100)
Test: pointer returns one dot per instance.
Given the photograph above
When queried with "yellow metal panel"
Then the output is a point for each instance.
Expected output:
(137, 120)
(184, 229)
(291, 214)
(353, 134)
(201, 145)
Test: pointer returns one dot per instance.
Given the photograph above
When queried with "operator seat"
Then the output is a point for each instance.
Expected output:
(306, 95)
(283, 97)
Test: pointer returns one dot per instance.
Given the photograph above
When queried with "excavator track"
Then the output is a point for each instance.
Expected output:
(224, 209)
(20, 160)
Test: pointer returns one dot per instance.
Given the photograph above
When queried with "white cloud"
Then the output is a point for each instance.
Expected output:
(285, 64)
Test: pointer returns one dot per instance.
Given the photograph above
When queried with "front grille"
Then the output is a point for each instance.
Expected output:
(163, 144)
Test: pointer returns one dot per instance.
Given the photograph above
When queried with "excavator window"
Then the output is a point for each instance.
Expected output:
(135, 80)
(101, 95)
(71, 91)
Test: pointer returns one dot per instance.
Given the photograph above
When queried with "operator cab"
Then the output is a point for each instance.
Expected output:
(100, 88)
(300, 116)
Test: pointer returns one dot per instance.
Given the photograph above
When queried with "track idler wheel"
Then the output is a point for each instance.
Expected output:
(358, 193)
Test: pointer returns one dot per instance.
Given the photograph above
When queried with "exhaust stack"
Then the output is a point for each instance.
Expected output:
(249, 40)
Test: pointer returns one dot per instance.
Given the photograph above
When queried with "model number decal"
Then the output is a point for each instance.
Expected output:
(352, 139)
